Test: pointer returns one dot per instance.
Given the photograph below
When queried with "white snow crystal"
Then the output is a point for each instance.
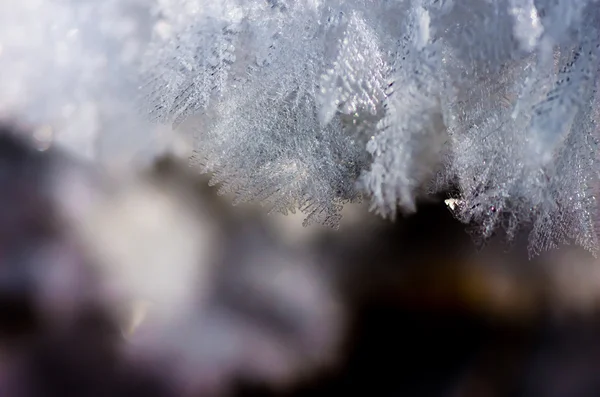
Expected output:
(310, 104)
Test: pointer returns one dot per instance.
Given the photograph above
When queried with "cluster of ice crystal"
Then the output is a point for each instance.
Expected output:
(313, 103)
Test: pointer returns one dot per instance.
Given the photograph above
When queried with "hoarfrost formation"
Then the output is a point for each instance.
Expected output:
(310, 104)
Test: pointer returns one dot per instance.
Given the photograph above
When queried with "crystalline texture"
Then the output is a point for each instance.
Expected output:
(357, 79)
(309, 104)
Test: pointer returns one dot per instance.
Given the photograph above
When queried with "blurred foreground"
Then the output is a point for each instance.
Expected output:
(149, 284)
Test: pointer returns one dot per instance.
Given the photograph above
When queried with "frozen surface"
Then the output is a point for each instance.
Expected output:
(310, 104)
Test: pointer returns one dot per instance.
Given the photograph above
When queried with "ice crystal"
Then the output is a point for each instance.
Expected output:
(312, 103)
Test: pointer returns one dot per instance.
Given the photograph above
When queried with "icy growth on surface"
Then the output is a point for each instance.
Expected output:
(313, 103)
(306, 103)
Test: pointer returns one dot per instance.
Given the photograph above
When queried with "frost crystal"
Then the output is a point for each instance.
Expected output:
(310, 103)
